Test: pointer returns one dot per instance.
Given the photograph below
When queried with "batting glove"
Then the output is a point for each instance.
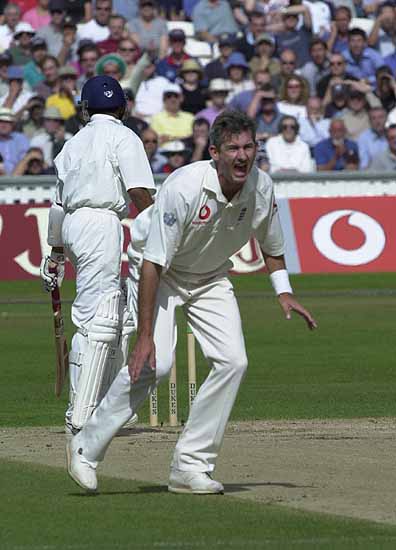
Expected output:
(52, 270)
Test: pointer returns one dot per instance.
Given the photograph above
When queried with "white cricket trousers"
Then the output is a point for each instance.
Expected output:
(93, 239)
(213, 314)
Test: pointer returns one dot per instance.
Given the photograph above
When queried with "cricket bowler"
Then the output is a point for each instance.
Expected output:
(204, 213)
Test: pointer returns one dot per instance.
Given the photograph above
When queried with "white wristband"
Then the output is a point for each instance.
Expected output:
(280, 282)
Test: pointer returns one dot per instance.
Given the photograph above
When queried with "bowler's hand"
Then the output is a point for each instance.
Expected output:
(143, 351)
(289, 304)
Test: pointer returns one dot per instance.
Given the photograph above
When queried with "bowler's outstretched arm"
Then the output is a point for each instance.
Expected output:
(287, 302)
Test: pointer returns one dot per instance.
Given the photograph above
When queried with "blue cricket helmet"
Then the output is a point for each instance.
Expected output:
(102, 92)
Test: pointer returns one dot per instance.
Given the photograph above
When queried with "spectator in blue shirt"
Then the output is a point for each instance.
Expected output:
(211, 18)
(337, 42)
(333, 153)
(390, 61)
(170, 65)
(372, 141)
(13, 145)
(362, 62)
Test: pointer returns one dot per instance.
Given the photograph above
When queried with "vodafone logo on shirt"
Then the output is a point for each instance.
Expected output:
(204, 212)
(345, 234)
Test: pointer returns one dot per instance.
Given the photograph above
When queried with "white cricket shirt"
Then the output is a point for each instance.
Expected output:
(98, 165)
(195, 229)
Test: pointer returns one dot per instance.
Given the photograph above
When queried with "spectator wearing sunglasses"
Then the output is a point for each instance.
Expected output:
(97, 29)
(150, 143)
(287, 152)
(172, 123)
(116, 28)
(53, 32)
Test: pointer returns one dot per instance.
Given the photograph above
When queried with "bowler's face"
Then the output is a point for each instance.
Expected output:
(234, 159)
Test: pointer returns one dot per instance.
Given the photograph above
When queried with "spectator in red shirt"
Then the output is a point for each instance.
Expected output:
(117, 28)
(39, 16)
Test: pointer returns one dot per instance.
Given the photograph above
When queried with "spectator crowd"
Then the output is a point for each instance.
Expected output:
(318, 77)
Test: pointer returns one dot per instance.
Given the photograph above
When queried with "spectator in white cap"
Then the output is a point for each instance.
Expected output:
(39, 16)
(13, 145)
(17, 97)
(21, 52)
(12, 16)
(218, 91)
(54, 136)
(172, 123)
(176, 155)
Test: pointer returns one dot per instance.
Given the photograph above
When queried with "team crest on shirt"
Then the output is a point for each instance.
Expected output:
(169, 218)
(108, 93)
(242, 214)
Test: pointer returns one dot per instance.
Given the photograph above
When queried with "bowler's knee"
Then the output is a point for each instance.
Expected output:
(236, 364)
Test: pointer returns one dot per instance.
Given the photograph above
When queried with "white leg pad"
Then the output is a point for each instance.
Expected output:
(76, 358)
(102, 336)
(119, 353)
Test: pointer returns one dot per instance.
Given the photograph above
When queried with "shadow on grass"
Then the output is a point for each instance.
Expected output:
(157, 489)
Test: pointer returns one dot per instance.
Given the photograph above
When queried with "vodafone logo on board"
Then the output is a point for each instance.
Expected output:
(372, 236)
(345, 234)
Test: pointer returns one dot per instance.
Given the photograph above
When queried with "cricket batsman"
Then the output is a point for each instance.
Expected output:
(99, 171)
(204, 213)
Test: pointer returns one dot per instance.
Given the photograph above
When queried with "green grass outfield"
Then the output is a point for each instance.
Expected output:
(344, 369)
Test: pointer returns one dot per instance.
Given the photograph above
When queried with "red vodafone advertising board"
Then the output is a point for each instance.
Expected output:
(345, 234)
(324, 235)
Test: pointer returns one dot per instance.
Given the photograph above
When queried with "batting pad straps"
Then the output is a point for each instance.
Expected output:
(280, 282)
(102, 335)
(55, 221)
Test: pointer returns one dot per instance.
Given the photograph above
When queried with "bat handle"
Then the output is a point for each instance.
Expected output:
(55, 294)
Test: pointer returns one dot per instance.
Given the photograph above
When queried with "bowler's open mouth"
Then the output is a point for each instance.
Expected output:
(240, 170)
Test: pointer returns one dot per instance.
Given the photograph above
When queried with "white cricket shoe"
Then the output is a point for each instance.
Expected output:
(80, 469)
(198, 483)
(131, 422)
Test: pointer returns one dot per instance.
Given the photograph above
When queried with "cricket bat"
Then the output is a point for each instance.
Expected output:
(62, 354)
